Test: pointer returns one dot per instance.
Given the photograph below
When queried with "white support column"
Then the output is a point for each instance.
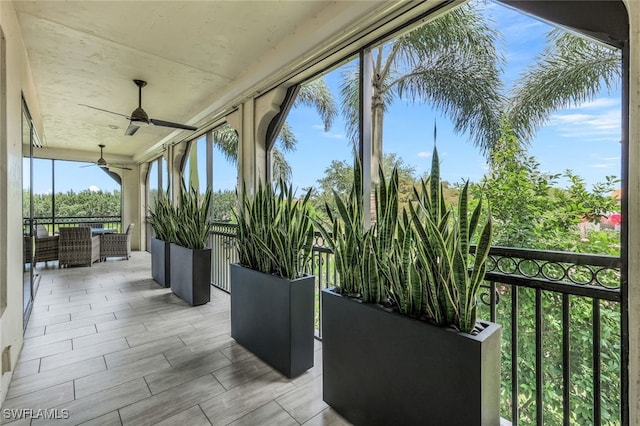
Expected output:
(251, 121)
(144, 207)
(175, 157)
(267, 107)
(132, 204)
(209, 145)
(634, 213)
(236, 121)
(366, 143)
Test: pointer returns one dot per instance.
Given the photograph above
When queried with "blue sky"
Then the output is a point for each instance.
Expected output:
(584, 139)
(69, 175)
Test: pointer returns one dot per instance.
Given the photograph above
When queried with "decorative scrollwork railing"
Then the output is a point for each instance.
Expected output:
(516, 277)
(580, 274)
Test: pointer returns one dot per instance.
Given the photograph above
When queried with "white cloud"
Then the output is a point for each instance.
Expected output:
(334, 135)
(602, 166)
(94, 188)
(318, 127)
(524, 28)
(424, 154)
(604, 125)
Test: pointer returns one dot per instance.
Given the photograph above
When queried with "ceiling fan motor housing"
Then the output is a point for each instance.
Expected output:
(139, 116)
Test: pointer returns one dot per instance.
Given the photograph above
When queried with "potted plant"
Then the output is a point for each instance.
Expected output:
(190, 259)
(401, 342)
(161, 218)
(272, 299)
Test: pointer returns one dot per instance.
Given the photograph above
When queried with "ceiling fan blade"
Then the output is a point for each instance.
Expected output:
(88, 165)
(170, 124)
(131, 130)
(105, 110)
(115, 166)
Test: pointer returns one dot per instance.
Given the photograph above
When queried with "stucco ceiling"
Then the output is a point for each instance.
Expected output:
(191, 53)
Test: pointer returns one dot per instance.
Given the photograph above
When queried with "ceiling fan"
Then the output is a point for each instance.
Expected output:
(139, 116)
(103, 163)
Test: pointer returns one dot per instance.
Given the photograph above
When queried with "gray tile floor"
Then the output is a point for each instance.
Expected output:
(109, 346)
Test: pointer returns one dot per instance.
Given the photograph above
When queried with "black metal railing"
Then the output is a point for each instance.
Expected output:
(562, 310)
(222, 241)
(560, 313)
(54, 224)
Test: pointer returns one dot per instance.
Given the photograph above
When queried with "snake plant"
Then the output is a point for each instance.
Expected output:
(451, 276)
(193, 218)
(162, 218)
(275, 232)
(356, 249)
(416, 258)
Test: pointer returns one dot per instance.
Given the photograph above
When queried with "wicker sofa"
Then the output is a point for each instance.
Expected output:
(116, 245)
(77, 246)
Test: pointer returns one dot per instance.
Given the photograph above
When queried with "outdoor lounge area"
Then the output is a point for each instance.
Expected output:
(450, 165)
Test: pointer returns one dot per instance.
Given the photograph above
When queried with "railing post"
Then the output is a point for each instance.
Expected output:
(566, 365)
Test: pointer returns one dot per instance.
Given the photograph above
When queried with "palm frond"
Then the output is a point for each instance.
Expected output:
(571, 70)
(281, 168)
(286, 138)
(451, 63)
(227, 140)
(350, 95)
(316, 94)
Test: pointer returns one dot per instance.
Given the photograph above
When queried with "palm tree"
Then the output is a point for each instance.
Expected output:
(314, 94)
(451, 63)
(569, 71)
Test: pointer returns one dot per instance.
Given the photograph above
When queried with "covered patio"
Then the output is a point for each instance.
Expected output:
(109, 346)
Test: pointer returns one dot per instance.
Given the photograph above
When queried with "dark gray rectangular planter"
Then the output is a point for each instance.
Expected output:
(191, 274)
(160, 264)
(382, 368)
(273, 318)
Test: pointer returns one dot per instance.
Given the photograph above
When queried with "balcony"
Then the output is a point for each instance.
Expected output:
(561, 339)
(107, 345)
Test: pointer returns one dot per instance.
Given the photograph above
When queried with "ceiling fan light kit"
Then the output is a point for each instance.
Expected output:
(139, 116)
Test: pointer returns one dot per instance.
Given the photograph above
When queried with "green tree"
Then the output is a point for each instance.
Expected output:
(223, 204)
(517, 192)
(338, 177)
(451, 62)
(528, 207)
(86, 203)
(531, 211)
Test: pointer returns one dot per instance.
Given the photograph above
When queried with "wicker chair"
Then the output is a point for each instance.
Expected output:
(46, 245)
(116, 245)
(78, 247)
(26, 253)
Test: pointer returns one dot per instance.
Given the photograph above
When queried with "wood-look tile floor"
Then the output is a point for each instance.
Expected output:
(109, 346)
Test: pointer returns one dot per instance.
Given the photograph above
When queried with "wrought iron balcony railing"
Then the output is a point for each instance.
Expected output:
(560, 312)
